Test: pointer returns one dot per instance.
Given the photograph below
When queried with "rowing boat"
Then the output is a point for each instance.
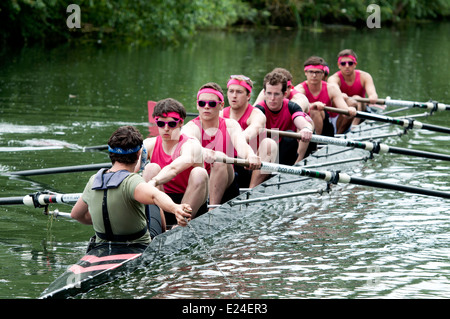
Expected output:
(107, 262)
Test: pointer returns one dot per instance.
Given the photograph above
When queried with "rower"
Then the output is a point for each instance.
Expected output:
(176, 160)
(353, 84)
(292, 94)
(320, 94)
(114, 199)
(219, 135)
(253, 122)
(285, 115)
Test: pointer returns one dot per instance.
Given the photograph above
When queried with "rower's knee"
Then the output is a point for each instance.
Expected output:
(198, 177)
(150, 171)
(222, 172)
(268, 150)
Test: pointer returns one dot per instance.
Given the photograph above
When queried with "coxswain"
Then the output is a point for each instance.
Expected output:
(114, 200)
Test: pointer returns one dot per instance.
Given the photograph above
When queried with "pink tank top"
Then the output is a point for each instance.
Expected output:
(244, 118)
(356, 88)
(221, 141)
(254, 143)
(293, 92)
(281, 120)
(179, 183)
(321, 97)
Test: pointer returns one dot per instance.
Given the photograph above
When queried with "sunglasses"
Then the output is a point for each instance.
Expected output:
(350, 63)
(314, 72)
(171, 124)
(210, 103)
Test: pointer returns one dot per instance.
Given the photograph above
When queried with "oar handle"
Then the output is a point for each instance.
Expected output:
(366, 100)
(231, 160)
(336, 110)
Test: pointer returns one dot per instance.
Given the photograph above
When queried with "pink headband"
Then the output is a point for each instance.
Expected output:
(317, 66)
(208, 90)
(174, 115)
(347, 56)
(242, 83)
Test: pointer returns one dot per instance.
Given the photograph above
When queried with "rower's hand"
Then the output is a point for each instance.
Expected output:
(373, 99)
(183, 214)
(209, 156)
(351, 111)
(306, 134)
(319, 106)
(254, 162)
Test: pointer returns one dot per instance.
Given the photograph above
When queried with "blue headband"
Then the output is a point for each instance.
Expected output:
(118, 150)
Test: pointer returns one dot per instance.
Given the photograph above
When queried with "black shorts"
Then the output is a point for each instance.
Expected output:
(177, 197)
(287, 150)
(328, 128)
(154, 217)
(232, 191)
(242, 176)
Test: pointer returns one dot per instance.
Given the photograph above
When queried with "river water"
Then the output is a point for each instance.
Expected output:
(355, 242)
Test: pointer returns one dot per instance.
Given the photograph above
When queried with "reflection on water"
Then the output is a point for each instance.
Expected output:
(352, 243)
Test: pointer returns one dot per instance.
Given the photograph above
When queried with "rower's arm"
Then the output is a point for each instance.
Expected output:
(301, 100)
(338, 99)
(191, 129)
(334, 79)
(369, 87)
(238, 139)
(148, 194)
(257, 123)
(80, 212)
(190, 156)
(302, 123)
(243, 149)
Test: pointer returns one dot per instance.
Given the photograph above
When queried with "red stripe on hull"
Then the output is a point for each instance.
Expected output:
(77, 269)
(95, 259)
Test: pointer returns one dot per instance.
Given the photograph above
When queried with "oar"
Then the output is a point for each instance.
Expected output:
(375, 147)
(432, 106)
(95, 148)
(41, 199)
(407, 123)
(64, 169)
(335, 177)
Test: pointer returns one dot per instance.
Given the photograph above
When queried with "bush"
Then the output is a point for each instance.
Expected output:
(168, 21)
(153, 21)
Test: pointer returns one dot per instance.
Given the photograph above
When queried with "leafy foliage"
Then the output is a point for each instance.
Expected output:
(169, 21)
(309, 12)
